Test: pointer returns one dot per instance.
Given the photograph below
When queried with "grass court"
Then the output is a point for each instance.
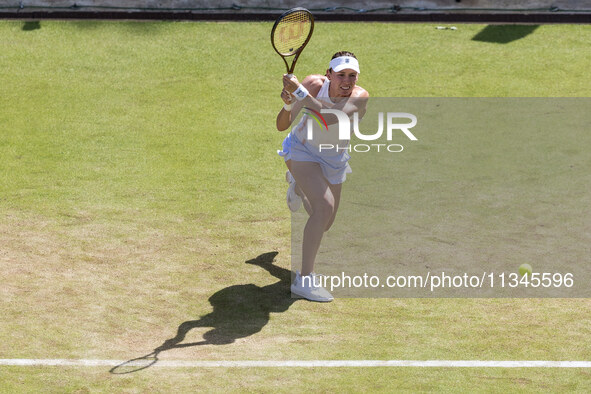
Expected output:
(142, 207)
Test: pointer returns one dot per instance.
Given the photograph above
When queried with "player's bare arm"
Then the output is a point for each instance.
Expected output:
(343, 88)
(312, 83)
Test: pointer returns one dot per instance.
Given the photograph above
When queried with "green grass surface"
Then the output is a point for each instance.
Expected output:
(297, 380)
(138, 174)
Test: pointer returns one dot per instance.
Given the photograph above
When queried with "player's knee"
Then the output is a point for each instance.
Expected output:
(325, 208)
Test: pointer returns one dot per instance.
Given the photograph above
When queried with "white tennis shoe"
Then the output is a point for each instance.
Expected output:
(306, 287)
(294, 202)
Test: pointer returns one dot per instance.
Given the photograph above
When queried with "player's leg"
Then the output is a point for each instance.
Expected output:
(297, 190)
(336, 193)
(316, 188)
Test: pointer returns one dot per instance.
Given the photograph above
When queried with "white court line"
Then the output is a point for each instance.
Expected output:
(301, 363)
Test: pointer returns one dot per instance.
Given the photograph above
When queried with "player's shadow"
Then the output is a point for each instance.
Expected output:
(504, 34)
(238, 311)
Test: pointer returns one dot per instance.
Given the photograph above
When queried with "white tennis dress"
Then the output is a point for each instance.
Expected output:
(334, 161)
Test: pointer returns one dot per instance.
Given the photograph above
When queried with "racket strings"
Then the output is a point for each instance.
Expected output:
(292, 32)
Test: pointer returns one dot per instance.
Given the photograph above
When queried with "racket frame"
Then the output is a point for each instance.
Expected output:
(301, 48)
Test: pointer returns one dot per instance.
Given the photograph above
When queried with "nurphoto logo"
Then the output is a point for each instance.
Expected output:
(395, 122)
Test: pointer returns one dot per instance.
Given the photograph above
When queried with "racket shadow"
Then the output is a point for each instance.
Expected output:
(239, 311)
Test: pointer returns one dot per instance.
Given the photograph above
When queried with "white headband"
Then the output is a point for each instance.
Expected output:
(343, 62)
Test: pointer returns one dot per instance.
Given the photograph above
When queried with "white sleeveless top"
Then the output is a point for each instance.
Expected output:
(320, 134)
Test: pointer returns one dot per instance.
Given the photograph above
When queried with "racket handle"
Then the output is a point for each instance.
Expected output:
(289, 75)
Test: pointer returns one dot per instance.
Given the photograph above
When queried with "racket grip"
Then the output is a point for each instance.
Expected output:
(289, 75)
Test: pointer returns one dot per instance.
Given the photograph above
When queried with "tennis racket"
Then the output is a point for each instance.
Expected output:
(291, 33)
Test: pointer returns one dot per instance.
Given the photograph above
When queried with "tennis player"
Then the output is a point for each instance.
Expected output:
(316, 175)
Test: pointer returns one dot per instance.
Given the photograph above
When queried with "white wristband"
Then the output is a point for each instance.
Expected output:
(287, 107)
(300, 93)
